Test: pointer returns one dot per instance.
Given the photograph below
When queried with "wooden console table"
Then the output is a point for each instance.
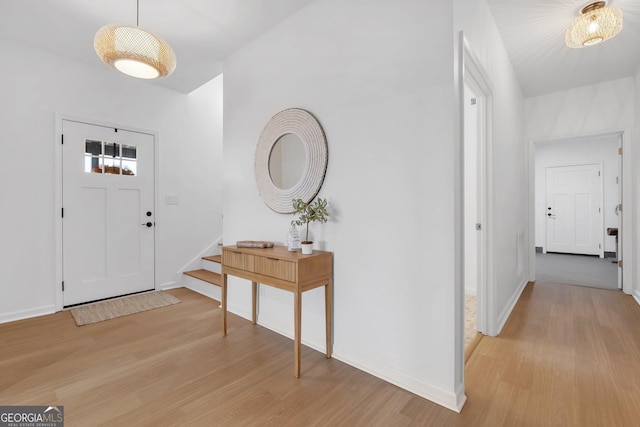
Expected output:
(282, 269)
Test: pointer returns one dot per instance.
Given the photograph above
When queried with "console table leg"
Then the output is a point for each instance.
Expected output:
(297, 312)
(224, 304)
(254, 298)
(328, 305)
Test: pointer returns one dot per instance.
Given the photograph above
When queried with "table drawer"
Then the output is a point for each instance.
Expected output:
(280, 269)
(239, 260)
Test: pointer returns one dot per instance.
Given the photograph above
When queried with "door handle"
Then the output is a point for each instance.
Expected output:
(148, 224)
(551, 215)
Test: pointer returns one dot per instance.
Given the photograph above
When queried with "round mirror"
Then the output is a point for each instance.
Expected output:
(287, 161)
(291, 159)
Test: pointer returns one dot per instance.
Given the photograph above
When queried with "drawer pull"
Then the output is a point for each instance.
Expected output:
(273, 259)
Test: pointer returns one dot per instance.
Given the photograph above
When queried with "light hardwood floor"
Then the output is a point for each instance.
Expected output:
(568, 356)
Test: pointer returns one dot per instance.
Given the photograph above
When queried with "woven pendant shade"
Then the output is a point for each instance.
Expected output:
(596, 24)
(134, 51)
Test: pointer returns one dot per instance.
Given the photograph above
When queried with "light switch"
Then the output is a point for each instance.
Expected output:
(171, 199)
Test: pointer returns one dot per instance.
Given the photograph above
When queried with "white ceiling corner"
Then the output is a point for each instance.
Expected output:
(201, 32)
(204, 33)
(533, 32)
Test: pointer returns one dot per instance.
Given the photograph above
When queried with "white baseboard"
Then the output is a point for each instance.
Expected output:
(461, 398)
(239, 311)
(502, 319)
(453, 401)
(169, 285)
(636, 296)
(450, 400)
(27, 314)
(309, 339)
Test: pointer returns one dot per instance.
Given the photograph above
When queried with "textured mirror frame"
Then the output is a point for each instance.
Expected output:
(303, 124)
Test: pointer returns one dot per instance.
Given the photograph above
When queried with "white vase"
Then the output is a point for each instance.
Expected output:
(307, 248)
(293, 239)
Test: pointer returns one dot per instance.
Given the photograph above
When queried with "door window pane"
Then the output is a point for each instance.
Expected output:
(92, 164)
(111, 149)
(93, 147)
(129, 167)
(128, 151)
(112, 166)
(111, 158)
(129, 160)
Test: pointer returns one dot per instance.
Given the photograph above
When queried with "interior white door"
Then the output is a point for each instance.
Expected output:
(574, 209)
(108, 215)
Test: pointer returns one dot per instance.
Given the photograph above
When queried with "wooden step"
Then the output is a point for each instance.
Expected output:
(206, 275)
(213, 258)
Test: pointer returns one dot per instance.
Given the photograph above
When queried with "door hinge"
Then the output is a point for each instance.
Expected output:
(62, 212)
(599, 245)
(474, 101)
(478, 226)
(598, 173)
(63, 286)
(620, 151)
(62, 139)
(620, 207)
(619, 263)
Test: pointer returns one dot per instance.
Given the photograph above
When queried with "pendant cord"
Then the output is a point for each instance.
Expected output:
(137, 13)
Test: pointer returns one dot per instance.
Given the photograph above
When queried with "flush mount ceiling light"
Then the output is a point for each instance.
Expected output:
(134, 51)
(597, 22)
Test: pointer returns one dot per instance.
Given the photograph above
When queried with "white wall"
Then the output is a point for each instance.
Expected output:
(583, 111)
(380, 81)
(576, 152)
(39, 85)
(506, 156)
(388, 116)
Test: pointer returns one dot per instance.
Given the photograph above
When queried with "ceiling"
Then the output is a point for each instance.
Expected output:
(204, 32)
(533, 33)
(201, 32)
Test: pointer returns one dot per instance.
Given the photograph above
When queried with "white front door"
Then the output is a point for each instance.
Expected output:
(108, 212)
(574, 209)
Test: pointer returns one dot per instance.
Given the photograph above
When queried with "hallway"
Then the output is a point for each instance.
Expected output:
(582, 270)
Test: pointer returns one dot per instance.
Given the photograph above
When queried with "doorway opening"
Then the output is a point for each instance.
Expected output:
(476, 108)
(472, 216)
(578, 194)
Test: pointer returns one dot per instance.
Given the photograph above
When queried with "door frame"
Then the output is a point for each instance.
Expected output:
(468, 66)
(627, 226)
(470, 80)
(474, 75)
(57, 213)
(600, 190)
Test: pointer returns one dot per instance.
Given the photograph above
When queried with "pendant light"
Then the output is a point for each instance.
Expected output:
(134, 51)
(597, 22)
